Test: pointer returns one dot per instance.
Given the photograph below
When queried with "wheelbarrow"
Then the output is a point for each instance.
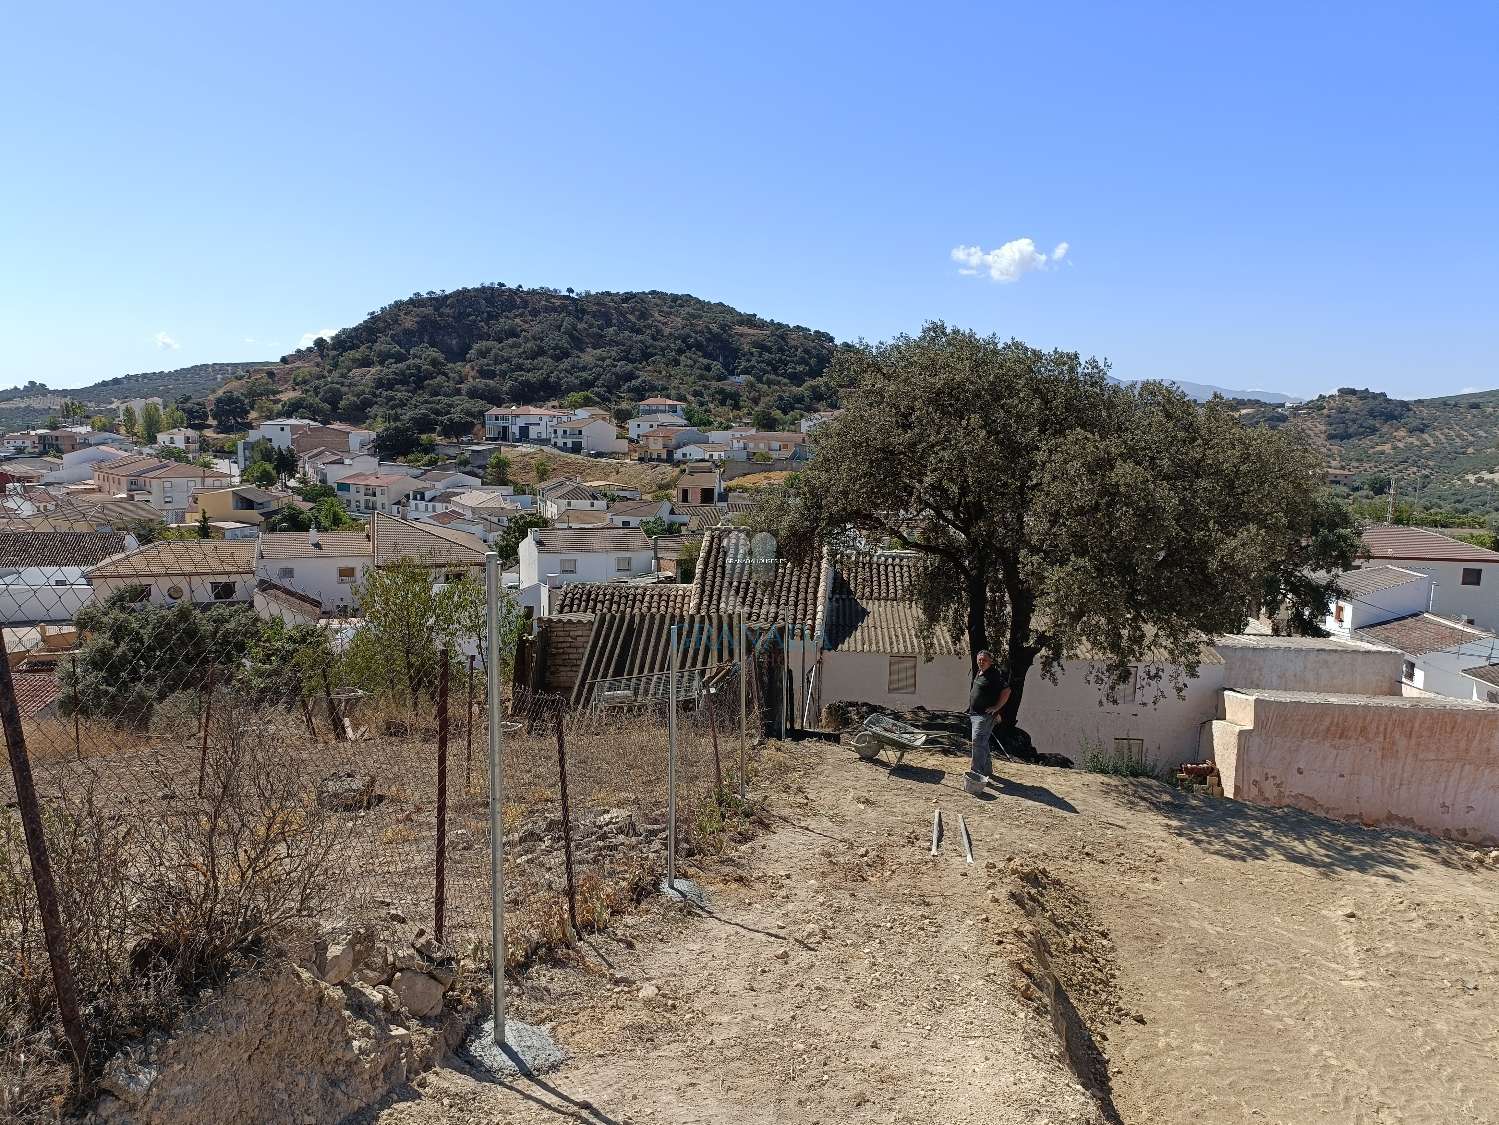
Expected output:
(880, 732)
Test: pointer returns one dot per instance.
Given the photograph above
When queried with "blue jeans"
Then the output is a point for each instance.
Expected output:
(983, 727)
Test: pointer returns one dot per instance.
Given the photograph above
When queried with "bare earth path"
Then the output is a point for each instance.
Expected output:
(1234, 964)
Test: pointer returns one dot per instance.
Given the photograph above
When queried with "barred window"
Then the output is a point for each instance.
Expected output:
(901, 676)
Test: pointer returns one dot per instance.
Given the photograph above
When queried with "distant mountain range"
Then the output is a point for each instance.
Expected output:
(1204, 391)
(32, 404)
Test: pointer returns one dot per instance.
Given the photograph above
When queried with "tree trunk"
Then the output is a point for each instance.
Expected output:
(978, 615)
(1020, 654)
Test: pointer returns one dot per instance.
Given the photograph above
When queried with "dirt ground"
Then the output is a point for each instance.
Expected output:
(1231, 964)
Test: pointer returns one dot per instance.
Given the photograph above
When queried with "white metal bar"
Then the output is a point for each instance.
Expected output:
(744, 667)
(671, 768)
(967, 839)
(496, 799)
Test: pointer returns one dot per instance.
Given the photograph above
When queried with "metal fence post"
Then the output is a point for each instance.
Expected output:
(567, 826)
(439, 902)
(468, 733)
(496, 800)
(207, 721)
(744, 667)
(671, 766)
(41, 867)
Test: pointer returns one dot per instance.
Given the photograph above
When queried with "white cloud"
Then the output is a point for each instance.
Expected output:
(165, 343)
(309, 337)
(1009, 262)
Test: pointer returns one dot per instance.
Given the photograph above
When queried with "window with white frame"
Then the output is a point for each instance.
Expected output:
(345, 575)
(622, 563)
(567, 566)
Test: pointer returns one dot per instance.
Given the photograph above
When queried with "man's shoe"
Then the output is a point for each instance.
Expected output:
(973, 784)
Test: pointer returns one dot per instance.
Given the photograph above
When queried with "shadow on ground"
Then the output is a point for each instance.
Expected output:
(1241, 831)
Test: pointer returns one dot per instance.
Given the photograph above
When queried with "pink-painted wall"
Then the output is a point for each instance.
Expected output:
(1425, 763)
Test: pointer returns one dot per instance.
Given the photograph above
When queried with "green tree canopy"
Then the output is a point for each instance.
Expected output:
(497, 469)
(150, 422)
(1064, 515)
(230, 411)
(259, 473)
(507, 543)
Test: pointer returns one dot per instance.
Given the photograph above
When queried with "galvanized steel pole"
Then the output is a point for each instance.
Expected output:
(671, 767)
(496, 799)
(744, 667)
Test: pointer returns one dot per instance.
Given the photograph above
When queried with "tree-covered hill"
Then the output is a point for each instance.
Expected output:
(32, 404)
(1442, 453)
(436, 360)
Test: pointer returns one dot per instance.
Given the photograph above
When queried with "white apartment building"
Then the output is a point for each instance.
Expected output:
(522, 423)
(588, 435)
(189, 441)
(366, 493)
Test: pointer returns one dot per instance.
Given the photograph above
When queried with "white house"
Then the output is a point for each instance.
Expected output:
(522, 423)
(562, 496)
(78, 466)
(1374, 594)
(201, 571)
(1438, 652)
(189, 441)
(658, 405)
(645, 423)
(1465, 578)
(588, 435)
(325, 565)
(702, 451)
(365, 493)
(558, 556)
(633, 513)
(42, 573)
(278, 431)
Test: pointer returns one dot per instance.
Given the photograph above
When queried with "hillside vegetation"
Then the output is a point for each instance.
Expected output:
(32, 404)
(436, 360)
(1441, 453)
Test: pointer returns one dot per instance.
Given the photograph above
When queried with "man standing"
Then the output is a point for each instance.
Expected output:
(986, 696)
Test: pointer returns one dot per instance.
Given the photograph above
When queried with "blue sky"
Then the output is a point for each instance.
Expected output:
(1294, 197)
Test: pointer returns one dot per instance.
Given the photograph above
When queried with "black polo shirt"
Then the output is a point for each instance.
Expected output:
(986, 689)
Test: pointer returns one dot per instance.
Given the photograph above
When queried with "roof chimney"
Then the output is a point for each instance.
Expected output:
(312, 535)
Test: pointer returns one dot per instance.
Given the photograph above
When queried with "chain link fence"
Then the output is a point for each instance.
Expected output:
(221, 770)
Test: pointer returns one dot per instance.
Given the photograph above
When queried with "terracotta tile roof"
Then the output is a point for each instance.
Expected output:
(642, 509)
(661, 402)
(1484, 673)
(1384, 541)
(526, 411)
(624, 597)
(774, 590)
(35, 691)
(1420, 633)
(428, 543)
(57, 549)
(300, 604)
(1372, 579)
(376, 480)
(298, 545)
(181, 556)
(700, 517)
(575, 517)
(571, 490)
(872, 608)
(591, 539)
